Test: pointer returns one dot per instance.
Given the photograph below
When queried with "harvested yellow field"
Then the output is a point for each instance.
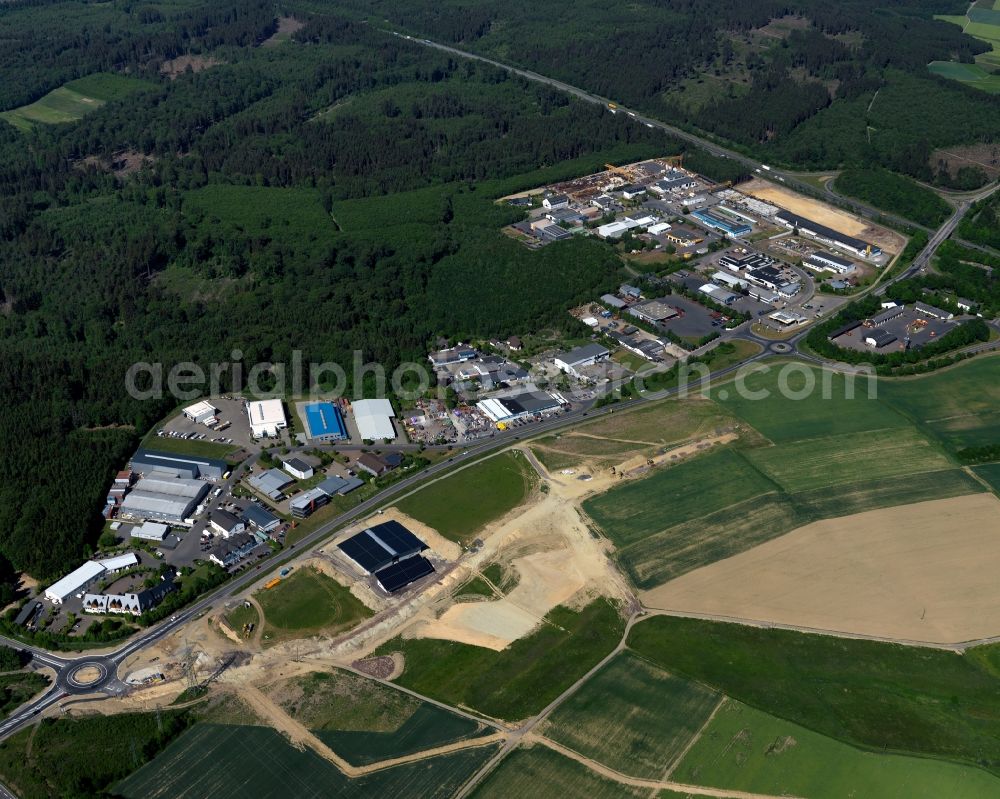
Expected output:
(921, 572)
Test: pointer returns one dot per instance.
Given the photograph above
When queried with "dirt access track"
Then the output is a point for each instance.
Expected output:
(817, 211)
(923, 572)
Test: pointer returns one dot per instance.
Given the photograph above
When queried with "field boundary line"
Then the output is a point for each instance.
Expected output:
(695, 738)
(956, 646)
(641, 782)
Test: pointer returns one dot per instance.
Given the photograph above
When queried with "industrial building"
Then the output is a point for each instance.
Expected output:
(452, 355)
(739, 263)
(374, 419)
(325, 422)
(271, 483)
(887, 315)
(653, 311)
(399, 575)
(201, 412)
(86, 575)
(340, 485)
(260, 518)
(150, 531)
(659, 228)
(267, 417)
(718, 294)
(716, 221)
(520, 406)
(225, 523)
(762, 294)
(827, 235)
(298, 468)
(828, 262)
(632, 191)
(876, 339)
(685, 237)
(381, 545)
(555, 201)
(150, 462)
(589, 354)
(164, 497)
(923, 309)
(726, 279)
(308, 502)
(611, 301)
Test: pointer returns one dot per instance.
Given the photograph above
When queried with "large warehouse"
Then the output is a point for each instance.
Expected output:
(151, 462)
(827, 235)
(520, 406)
(164, 497)
(267, 417)
(374, 419)
(270, 483)
(391, 553)
(325, 422)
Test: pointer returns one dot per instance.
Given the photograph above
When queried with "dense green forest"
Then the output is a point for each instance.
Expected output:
(894, 193)
(332, 194)
(982, 224)
(807, 83)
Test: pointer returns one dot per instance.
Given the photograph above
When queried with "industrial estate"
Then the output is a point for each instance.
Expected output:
(726, 523)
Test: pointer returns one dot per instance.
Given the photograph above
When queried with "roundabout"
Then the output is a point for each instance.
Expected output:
(86, 675)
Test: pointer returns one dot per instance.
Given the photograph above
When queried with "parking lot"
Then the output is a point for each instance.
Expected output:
(920, 329)
(231, 411)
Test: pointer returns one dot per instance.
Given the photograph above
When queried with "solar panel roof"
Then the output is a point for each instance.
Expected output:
(381, 545)
(399, 575)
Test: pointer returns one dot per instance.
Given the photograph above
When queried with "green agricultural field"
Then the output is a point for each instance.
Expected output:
(818, 462)
(959, 406)
(461, 504)
(747, 750)
(957, 71)
(212, 761)
(364, 721)
(647, 429)
(632, 717)
(989, 472)
(541, 773)
(520, 680)
(288, 214)
(635, 509)
(307, 602)
(72, 101)
(849, 498)
(883, 697)
(782, 418)
(681, 548)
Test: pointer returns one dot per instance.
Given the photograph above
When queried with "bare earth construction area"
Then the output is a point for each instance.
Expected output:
(920, 572)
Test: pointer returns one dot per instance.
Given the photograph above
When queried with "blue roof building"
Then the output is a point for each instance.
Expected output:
(716, 221)
(325, 422)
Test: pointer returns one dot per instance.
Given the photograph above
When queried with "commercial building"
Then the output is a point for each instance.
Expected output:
(230, 551)
(260, 519)
(520, 406)
(225, 523)
(164, 497)
(716, 221)
(718, 294)
(555, 201)
(629, 291)
(828, 262)
(611, 301)
(374, 419)
(271, 483)
(573, 361)
(150, 531)
(372, 464)
(298, 468)
(887, 315)
(673, 185)
(134, 603)
(452, 355)
(787, 318)
(827, 235)
(685, 237)
(340, 485)
(150, 461)
(267, 417)
(325, 422)
(399, 575)
(118, 562)
(606, 203)
(762, 294)
(201, 412)
(632, 191)
(307, 503)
